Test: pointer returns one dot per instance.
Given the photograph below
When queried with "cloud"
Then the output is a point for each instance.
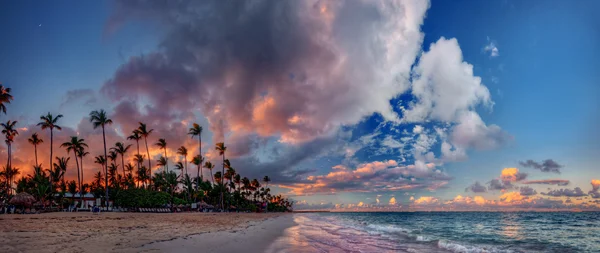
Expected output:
(78, 95)
(497, 185)
(296, 69)
(527, 191)
(426, 200)
(377, 176)
(512, 175)
(577, 192)
(560, 182)
(444, 85)
(595, 184)
(471, 132)
(491, 49)
(392, 201)
(547, 165)
(595, 193)
(476, 188)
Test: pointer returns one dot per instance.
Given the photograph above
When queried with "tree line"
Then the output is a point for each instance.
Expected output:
(127, 184)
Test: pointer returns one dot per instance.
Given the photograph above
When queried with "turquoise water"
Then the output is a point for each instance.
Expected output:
(441, 232)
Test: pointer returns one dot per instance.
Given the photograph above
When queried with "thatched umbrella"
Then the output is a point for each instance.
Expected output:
(22, 198)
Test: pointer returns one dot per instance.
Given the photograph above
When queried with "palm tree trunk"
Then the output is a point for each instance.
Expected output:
(78, 174)
(51, 140)
(36, 161)
(200, 162)
(149, 160)
(81, 191)
(223, 183)
(105, 169)
(123, 164)
(137, 142)
(166, 158)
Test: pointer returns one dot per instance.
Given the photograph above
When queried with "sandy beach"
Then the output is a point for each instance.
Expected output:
(136, 232)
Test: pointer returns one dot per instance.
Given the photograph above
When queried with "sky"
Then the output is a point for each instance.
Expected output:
(346, 105)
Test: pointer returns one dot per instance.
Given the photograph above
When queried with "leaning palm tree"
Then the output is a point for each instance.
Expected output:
(145, 132)
(121, 149)
(48, 121)
(5, 98)
(74, 145)
(135, 136)
(162, 144)
(35, 141)
(182, 151)
(161, 162)
(196, 130)
(221, 148)
(210, 168)
(100, 119)
(179, 166)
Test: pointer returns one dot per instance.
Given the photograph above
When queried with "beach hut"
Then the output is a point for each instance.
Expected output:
(23, 199)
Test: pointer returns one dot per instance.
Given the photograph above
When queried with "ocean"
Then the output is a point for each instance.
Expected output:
(442, 232)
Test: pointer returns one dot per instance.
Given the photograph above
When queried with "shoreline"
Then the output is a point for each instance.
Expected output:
(140, 232)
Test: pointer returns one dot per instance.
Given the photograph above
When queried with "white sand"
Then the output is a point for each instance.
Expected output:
(255, 237)
(139, 232)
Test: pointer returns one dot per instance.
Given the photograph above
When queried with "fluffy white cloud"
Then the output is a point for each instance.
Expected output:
(445, 85)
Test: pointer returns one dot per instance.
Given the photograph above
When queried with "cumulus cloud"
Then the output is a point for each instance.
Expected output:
(392, 201)
(577, 192)
(294, 69)
(472, 132)
(559, 182)
(595, 192)
(547, 165)
(444, 85)
(87, 95)
(512, 175)
(476, 188)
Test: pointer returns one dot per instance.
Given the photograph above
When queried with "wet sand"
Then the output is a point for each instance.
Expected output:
(140, 232)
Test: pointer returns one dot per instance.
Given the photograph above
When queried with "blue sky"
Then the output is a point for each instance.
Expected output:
(538, 61)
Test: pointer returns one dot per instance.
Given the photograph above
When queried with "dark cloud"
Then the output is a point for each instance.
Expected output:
(87, 95)
(559, 182)
(527, 191)
(497, 185)
(548, 165)
(577, 192)
(476, 188)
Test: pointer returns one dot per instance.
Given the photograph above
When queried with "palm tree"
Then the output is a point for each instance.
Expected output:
(135, 136)
(82, 153)
(60, 168)
(75, 145)
(161, 162)
(210, 167)
(267, 179)
(35, 140)
(196, 130)
(5, 97)
(121, 149)
(198, 162)
(183, 152)
(179, 166)
(144, 132)
(221, 148)
(9, 132)
(162, 144)
(100, 119)
(48, 121)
